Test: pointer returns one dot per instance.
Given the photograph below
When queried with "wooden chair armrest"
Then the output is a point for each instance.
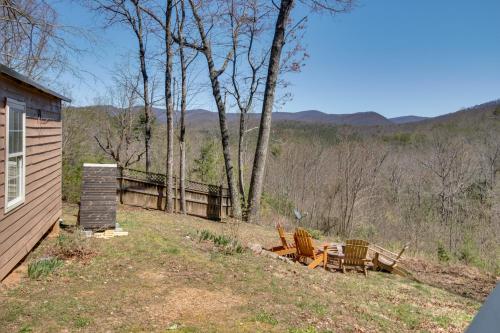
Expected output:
(286, 252)
(381, 250)
(274, 248)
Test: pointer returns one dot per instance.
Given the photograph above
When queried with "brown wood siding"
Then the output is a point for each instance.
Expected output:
(23, 227)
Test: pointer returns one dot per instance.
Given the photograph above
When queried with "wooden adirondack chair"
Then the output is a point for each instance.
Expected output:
(357, 242)
(355, 255)
(385, 260)
(306, 249)
(286, 249)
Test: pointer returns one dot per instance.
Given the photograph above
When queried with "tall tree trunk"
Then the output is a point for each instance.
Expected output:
(224, 131)
(169, 206)
(221, 108)
(147, 105)
(241, 152)
(182, 134)
(259, 165)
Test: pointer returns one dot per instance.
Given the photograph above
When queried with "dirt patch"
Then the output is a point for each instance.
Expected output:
(193, 305)
(15, 277)
(151, 276)
(462, 280)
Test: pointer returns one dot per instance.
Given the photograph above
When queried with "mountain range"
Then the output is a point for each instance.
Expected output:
(369, 118)
(206, 118)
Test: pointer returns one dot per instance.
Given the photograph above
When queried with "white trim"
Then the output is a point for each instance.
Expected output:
(99, 165)
(9, 206)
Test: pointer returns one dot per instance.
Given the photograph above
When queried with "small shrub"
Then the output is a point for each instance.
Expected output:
(43, 267)
(224, 243)
(221, 240)
(205, 235)
(442, 253)
(72, 245)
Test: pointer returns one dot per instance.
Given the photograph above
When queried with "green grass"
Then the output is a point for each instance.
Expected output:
(164, 277)
(315, 307)
(266, 318)
(81, 322)
(171, 250)
(408, 314)
(43, 267)
(26, 329)
(310, 329)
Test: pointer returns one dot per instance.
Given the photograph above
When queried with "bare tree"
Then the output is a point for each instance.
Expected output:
(280, 30)
(206, 49)
(166, 26)
(258, 170)
(357, 166)
(247, 72)
(451, 165)
(169, 54)
(185, 61)
(130, 14)
(118, 133)
(490, 157)
(33, 42)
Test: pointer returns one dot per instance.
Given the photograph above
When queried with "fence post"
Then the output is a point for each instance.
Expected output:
(220, 202)
(120, 182)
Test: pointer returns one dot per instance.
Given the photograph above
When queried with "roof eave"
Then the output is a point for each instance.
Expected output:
(26, 80)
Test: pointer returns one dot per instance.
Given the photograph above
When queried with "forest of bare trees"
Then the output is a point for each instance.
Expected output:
(438, 193)
(223, 32)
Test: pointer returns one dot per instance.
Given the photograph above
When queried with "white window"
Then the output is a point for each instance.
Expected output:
(15, 157)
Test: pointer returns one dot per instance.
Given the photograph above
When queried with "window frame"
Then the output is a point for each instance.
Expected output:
(13, 204)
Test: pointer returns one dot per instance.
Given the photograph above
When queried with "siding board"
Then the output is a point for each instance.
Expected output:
(24, 250)
(33, 199)
(43, 156)
(28, 223)
(23, 227)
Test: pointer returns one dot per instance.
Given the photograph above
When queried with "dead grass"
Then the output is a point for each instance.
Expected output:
(460, 279)
(161, 278)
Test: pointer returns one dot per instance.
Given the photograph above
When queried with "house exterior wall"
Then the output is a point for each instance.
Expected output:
(22, 227)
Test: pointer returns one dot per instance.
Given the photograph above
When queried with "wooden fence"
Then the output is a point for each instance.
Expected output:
(148, 190)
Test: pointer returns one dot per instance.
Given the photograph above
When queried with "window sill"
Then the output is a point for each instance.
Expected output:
(13, 205)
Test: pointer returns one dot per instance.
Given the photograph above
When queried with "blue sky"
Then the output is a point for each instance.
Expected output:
(395, 57)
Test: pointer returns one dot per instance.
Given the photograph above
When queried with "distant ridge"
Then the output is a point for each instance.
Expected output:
(204, 118)
(369, 118)
(407, 119)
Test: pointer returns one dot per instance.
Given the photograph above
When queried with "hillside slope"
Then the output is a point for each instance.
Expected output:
(162, 277)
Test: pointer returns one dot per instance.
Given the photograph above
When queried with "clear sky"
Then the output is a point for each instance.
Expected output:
(395, 57)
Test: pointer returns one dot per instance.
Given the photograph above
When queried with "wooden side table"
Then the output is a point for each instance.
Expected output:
(335, 253)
